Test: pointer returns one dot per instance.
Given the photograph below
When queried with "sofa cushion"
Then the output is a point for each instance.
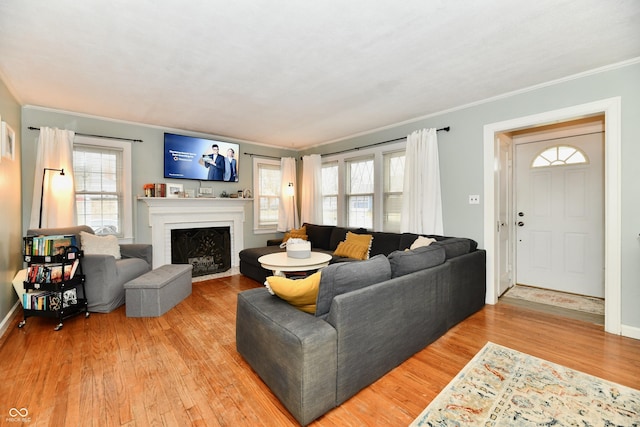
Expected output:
(454, 246)
(406, 262)
(300, 293)
(319, 235)
(384, 243)
(348, 276)
(356, 246)
(100, 245)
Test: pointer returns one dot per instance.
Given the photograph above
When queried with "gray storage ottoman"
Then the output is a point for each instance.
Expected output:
(157, 291)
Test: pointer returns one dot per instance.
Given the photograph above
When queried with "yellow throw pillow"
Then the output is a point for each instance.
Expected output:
(300, 293)
(364, 239)
(356, 246)
(299, 233)
(351, 250)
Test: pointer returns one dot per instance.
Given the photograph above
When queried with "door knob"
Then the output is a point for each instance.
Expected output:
(520, 223)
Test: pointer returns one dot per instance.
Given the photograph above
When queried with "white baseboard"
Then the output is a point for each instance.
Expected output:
(630, 331)
(4, 326)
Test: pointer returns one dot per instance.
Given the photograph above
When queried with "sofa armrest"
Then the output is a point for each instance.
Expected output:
(274, 242)
(100, 272)
(293, 352)
(137, 250)
(468, 285)
(101, 268)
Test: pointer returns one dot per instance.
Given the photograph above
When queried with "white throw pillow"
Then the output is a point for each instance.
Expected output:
(100, 245)
(422, 241)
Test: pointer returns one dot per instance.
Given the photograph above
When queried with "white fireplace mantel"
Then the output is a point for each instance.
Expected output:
(166, 214)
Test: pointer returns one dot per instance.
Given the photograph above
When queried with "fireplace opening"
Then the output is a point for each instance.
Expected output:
(208, 250)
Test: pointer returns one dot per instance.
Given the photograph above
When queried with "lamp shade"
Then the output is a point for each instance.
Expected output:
(60, 183)
(290, 190)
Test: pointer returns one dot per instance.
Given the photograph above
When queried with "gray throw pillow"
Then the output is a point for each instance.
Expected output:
(454, 246)
(406, 262)
(345, 277)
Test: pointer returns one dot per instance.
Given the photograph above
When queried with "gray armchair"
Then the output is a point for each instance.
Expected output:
(105, 275)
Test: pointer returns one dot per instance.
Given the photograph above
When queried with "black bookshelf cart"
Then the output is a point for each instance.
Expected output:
(54, 286)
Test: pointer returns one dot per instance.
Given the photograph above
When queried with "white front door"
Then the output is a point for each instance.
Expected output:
(560, 219)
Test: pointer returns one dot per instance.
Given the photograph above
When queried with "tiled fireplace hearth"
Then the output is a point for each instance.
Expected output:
(166, 214)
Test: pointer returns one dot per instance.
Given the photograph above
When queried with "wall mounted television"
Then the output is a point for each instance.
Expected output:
(188, 157)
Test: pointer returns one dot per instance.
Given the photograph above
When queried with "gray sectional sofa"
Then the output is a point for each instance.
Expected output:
(370, 316)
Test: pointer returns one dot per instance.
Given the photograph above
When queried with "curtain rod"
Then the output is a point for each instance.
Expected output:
(264, 156)
(96, 136)
(446, 129)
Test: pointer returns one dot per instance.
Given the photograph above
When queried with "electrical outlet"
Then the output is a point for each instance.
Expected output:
(474, 199)
(205, 191)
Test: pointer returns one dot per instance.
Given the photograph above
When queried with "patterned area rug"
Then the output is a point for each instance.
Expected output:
(559, 299)
(503, 387)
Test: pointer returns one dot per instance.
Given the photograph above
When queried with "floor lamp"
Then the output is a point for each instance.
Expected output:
(44, 174)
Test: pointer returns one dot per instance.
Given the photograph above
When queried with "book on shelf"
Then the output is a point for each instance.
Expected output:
(52, 272)
(48, 245)
(55, 273)
(161, 190)
(59, 246)
(71, 270)
(42, 300)
(69, 297)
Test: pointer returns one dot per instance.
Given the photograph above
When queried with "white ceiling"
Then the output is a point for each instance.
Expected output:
(298, 73)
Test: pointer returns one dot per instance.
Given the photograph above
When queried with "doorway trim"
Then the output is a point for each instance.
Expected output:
(610, 107)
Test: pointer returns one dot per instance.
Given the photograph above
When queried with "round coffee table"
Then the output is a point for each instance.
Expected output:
(279, 262)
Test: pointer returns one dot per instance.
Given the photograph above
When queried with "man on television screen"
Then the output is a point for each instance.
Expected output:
(215, 163)
(230, 170)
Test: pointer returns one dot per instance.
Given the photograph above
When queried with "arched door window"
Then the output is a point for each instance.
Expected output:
(559, 155)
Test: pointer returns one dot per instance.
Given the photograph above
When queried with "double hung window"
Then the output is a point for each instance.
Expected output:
(360, 192)
(393, 185)
(102, 174)
(330, 193)
(364, 189)
(267, 184)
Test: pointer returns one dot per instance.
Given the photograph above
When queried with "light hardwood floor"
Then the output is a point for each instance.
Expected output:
(183, 369)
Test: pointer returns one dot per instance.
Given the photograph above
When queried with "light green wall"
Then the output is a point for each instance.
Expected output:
(147, 162)
(10, 226)
(461, 158)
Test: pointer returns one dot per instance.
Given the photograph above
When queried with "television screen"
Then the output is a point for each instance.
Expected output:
(189, 157)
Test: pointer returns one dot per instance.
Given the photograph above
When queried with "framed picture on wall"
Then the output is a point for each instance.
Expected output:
(8, 142)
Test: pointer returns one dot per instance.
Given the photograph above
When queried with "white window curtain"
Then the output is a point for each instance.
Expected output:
(421, 194)
(288, 211)
(54, 151)
(311, 194)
